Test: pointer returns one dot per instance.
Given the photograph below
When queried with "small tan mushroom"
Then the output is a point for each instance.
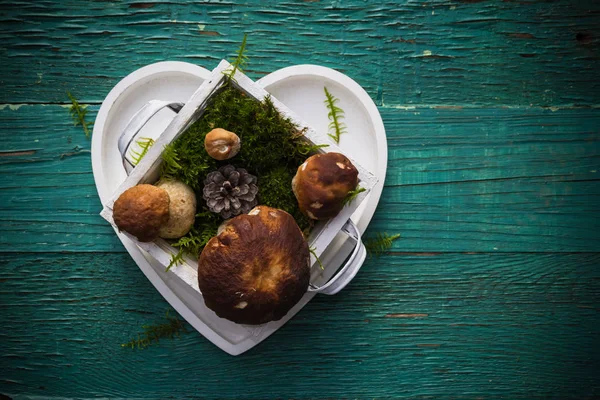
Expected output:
(141, 211)
(182, 209)
(322, 183)
(221, 144)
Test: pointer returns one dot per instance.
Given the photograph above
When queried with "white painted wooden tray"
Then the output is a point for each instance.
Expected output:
(180, 287)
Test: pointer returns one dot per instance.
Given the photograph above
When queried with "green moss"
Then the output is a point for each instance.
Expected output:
(275, 190)
(272, 149)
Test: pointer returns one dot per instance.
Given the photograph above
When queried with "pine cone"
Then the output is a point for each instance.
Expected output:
(230, 191)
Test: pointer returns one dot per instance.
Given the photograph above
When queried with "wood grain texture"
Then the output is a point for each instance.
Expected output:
(459, 180)
(437, 52)
(492, 111)
(486, 325)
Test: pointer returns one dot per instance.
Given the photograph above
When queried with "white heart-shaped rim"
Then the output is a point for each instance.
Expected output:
(115, 113)
(364, 214)
(118, 92)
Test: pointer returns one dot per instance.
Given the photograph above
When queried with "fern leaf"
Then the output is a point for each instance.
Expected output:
(335, 115)
(170, 165)
(145, 144)
(78, 113)
(352, 195)
(308, 148)
(240, 61)
(380, 244)
(194, 241)
(176, 259)
(314, 253)
(173, 327)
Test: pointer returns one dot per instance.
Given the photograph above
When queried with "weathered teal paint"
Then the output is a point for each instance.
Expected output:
(480, 325)
(492, 116)
(468, 179)
(409, 52)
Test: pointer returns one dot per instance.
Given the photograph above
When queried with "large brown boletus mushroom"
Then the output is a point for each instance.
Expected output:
(141, 211)
(256, 269)
(322, 183)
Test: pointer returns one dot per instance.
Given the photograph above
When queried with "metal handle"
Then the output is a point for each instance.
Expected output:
(137, 122)
(349, 270)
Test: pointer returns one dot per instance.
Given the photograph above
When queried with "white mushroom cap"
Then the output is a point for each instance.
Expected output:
(182, 209)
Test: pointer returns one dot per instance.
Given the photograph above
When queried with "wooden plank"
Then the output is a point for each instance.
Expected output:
(459, 180)
(436, 52)
(482, 325)
(492, 180)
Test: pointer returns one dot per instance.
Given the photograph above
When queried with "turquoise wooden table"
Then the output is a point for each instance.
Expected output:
(493, 290)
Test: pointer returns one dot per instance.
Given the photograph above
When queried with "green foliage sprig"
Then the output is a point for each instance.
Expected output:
(313, 251)
(380, 244)
(194, 241)
(335, 115)
(145, 144)
(352, 195)
(153, 333)
(306, 148)
(176, 259)
(240, 61)
(170, 166)
(78, 113)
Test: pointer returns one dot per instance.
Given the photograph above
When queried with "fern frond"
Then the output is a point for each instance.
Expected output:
(240, 61)
(309, 148)
(206, 235)
(78, 113)
(314, 253)
(176, 259)
(173, 327)
(335, 115)
(194, 241)
(145, 144)
(380, 244)
(352, 195)
(170, 165)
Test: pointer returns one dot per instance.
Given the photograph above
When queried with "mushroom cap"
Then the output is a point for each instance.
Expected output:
(222, 144)
(256, 269)
(141, 211)
(182, 209)
(322, 183)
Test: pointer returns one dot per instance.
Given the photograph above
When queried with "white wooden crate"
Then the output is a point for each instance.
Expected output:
(148, 169)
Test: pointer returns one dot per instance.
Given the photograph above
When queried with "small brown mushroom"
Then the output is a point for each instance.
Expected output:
(221, 144)
(141, 211)
(182, 209)
(256, 269)
(322, 183)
